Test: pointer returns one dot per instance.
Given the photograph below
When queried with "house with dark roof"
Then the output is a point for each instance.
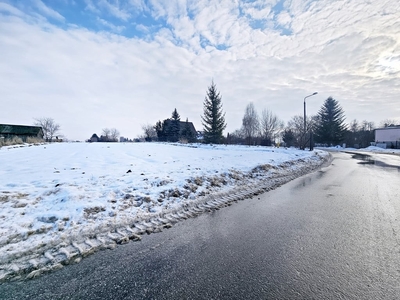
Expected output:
(186, 130)
(8, 131)
(94, 139)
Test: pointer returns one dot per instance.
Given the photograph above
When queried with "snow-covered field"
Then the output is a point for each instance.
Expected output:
(61, 202)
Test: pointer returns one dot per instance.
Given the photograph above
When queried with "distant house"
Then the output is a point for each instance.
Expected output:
(388, 137)
(8, 131)
(185, 128)
(124, 139)
(94, 138)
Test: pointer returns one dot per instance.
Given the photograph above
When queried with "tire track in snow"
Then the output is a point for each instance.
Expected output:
(32, 265)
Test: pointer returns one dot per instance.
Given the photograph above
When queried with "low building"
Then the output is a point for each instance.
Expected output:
(94, 138)
(9, 131)
(186, 129)
(388, 137)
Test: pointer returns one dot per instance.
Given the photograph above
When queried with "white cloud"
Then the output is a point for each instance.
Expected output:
(142, 28)
(47, 11)
(7, 8)
(111, 26)
(92, 7)
(258, 13)
(114, 9)
(284, 18)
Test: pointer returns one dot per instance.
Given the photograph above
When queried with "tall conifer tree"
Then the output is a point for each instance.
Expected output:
(330, 128)
(175, 126)
(213, 119)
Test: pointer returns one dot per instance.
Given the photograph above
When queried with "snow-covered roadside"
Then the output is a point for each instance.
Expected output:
(61, 202)
(371, 149)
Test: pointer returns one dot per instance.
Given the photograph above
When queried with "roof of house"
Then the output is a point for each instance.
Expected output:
(389, 127)
(182, 125)
(20, 130)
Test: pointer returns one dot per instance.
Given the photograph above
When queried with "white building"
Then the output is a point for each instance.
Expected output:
(388, 137)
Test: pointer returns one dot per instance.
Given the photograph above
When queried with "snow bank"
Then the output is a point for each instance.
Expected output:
(372, 149)
(61, 202)
(381, 150)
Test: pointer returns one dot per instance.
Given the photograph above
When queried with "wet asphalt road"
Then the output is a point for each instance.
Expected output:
(333, 234)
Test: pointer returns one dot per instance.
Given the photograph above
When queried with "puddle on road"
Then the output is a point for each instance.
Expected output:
(365, 159)
(309, 179)
(369, 160)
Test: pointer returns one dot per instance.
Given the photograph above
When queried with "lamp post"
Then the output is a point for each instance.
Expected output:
(305, 122)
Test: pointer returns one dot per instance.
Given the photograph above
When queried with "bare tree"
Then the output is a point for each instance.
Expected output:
(109, 135)
(388, 122)
(149, 131)
(236, 137)
(296, 127)
(354, 126)
(367, 126)
(360, 134)
(114, 134)
(106, 133)
(49, 126)
(250, 123)
(270, 125)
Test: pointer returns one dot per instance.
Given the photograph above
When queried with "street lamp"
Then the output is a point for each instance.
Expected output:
(305, 122)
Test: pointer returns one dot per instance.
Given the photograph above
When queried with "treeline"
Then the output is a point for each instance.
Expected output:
(326, 128)
(108, 136)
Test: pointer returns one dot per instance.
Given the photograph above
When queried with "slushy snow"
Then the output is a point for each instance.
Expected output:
(60, 202)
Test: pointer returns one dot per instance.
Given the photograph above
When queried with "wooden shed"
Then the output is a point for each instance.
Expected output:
(8, 131)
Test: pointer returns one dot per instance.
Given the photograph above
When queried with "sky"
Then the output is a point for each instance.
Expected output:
(123, 64)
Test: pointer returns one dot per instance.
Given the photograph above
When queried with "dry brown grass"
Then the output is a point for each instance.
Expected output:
(10, 142)
(18, 141)
(34, 140)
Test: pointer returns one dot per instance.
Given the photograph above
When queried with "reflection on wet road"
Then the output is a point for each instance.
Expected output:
(375, 160)
(333, 234)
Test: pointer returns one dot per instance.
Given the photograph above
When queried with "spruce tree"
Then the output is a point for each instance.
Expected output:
(330, 128)
(214, 119)
(288, 137)
(160, 131)
(175, 126)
